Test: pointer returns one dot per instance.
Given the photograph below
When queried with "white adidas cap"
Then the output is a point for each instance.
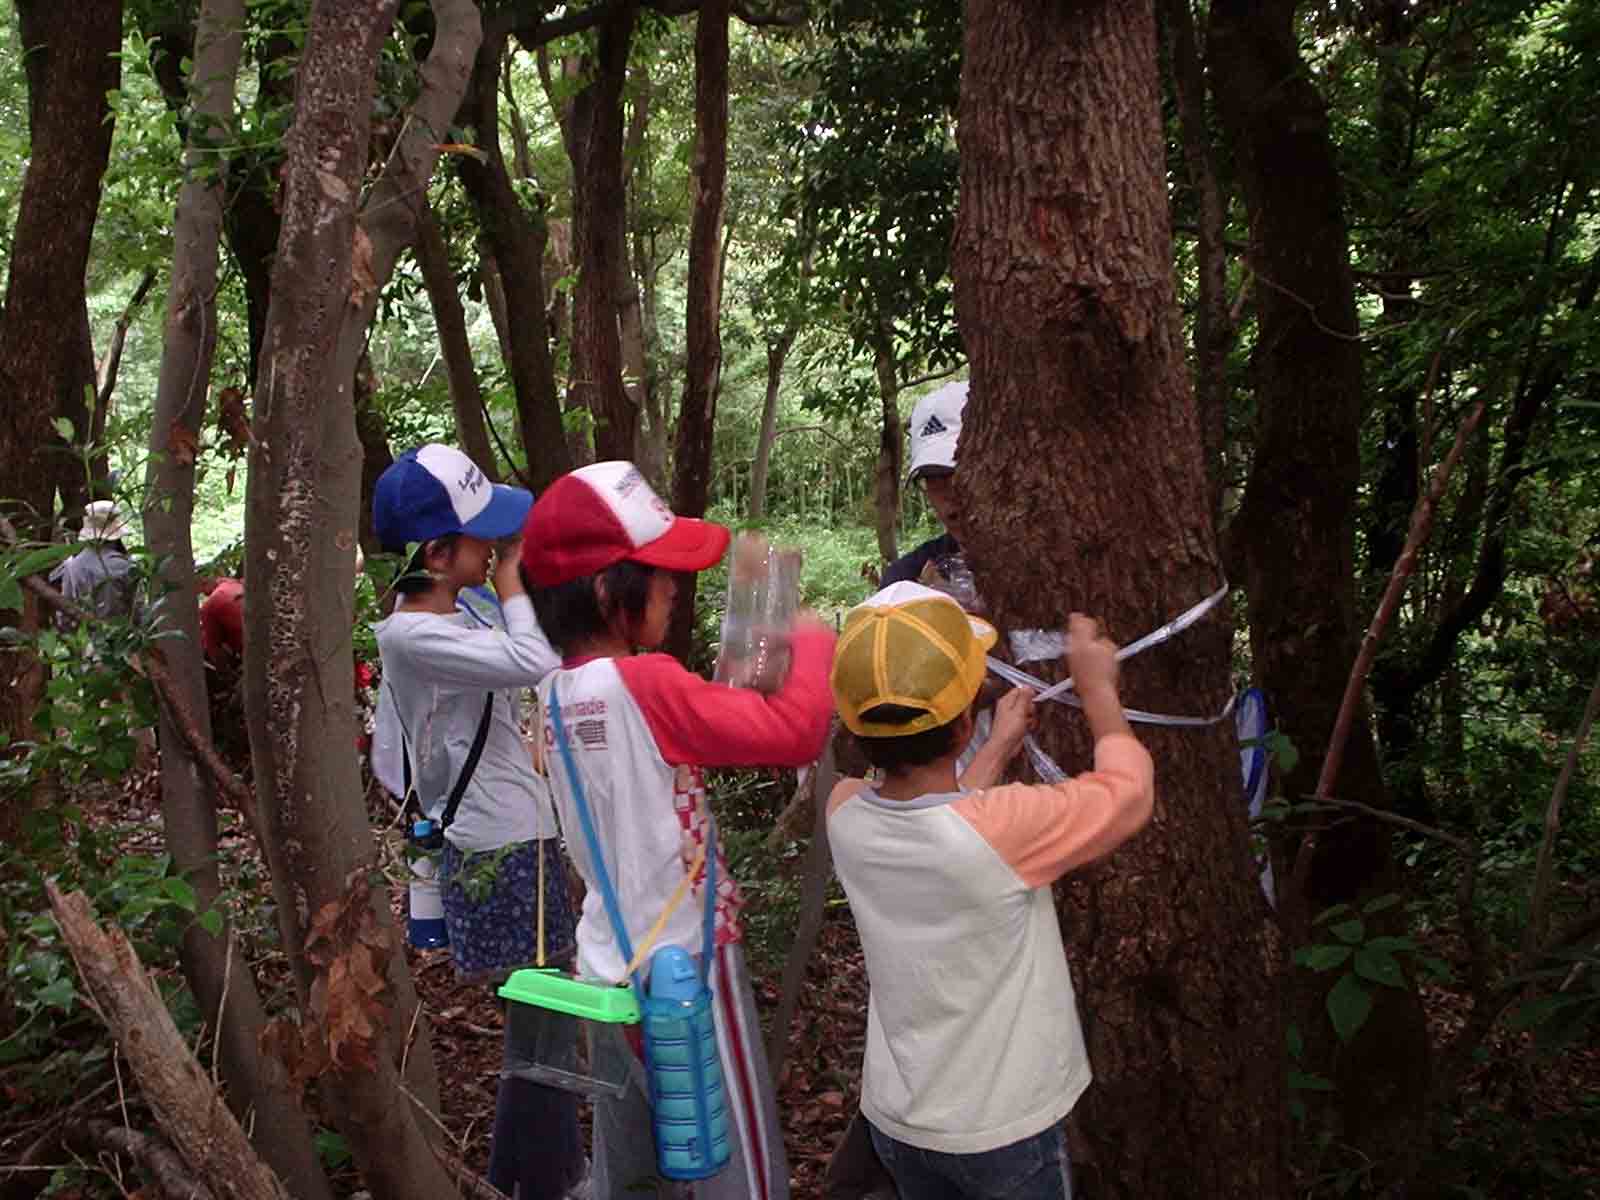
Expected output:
(936, 428)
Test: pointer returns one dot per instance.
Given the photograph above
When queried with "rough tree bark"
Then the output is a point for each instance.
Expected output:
(516, 239)
(1296, 529)
(708, 172)
(222, 985)
(450, 321)
(300, 533)
(593, 134)
(1082, 477)
(69, 52)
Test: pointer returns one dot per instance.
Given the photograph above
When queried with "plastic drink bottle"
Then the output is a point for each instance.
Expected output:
(687, 1098)
(425, 928)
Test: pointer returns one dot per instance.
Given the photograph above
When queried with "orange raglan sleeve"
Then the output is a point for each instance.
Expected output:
(1044, 831)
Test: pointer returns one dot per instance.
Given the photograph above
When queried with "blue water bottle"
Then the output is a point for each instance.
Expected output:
(425, 928)
(687, 1096)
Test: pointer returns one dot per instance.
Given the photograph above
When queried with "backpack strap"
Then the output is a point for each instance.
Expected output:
(474, 753)
(471, 765)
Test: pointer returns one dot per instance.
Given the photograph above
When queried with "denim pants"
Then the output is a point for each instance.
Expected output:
(1035, 1168)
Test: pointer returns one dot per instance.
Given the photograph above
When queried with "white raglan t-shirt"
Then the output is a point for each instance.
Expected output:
(973, 1039)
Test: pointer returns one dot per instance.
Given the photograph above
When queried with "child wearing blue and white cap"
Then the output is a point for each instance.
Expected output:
(446, 673)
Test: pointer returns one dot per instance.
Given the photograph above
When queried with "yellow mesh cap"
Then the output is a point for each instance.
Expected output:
(911, 646)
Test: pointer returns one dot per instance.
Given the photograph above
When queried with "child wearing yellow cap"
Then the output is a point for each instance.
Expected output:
(974, 1051)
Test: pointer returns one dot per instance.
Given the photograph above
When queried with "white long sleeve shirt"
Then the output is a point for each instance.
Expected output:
(437, 670)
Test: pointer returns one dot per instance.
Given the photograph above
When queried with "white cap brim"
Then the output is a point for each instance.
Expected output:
(937, 451)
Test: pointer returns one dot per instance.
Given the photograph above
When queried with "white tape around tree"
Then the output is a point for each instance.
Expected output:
(1028, 643)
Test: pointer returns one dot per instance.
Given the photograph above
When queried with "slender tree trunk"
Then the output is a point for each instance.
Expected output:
(891, 447)
(376, 454)
(516, 238)
(77, 406)
(656, 425)
(105, 376)
(650, 451)
(777, 352)
(69, 52)
(594, 143)
(691, 457)
(1083, 478)
(220, 980)
(1214, 331)
(1297, 532)
(300, 532)
(450, 320)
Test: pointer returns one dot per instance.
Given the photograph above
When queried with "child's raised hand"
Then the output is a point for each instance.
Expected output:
(507, 554)
(1014, 718)
(1091, 656)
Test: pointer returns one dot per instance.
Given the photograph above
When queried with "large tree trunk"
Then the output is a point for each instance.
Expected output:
(594, 143)
(516, 239)
(69, 52)
(220, 983)
(450, 321)
(691, 457)
(300, 532)
(1296, 531)
(1082, 475)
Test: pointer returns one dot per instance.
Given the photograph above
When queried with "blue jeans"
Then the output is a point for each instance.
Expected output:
(1035, 1168)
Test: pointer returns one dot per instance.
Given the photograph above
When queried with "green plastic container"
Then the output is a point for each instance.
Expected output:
(587, 999)
(545, 1017)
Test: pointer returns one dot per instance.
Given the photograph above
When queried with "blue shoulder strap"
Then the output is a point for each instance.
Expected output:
(603, 877)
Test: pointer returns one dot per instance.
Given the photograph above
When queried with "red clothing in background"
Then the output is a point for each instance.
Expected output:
(222, 624)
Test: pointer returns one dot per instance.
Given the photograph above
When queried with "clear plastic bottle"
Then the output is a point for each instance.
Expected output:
(763, 597)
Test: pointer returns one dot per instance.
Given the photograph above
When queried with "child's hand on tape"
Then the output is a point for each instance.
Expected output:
(1014, 719)
(1091, 656)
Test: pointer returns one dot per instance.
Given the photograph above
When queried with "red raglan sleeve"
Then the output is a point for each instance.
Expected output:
(697, 723)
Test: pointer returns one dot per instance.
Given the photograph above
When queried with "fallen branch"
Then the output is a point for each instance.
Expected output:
(187, 1108)
(166, 1169)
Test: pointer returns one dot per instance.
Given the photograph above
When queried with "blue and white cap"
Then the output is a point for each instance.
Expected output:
(437, 490)
(936, 428)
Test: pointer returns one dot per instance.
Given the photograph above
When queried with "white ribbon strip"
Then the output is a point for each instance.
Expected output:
(1060, 692)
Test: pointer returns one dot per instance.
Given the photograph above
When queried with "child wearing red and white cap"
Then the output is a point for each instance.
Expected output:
(599, 554)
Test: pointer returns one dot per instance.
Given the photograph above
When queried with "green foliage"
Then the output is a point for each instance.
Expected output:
(1367, 960)
(45, 1024)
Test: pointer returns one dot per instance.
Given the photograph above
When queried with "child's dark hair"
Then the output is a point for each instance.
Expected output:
(914, 749)
(414, 578)
(570, 612)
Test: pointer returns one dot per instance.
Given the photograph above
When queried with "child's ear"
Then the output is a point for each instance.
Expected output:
(968, 726)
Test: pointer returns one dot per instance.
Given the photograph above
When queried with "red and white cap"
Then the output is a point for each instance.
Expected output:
(607, 513)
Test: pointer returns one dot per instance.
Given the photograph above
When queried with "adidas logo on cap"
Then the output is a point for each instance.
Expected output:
(932, 426)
